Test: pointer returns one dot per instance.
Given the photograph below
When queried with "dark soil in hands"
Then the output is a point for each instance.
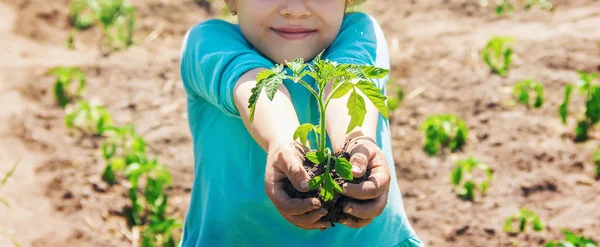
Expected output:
(335, 207)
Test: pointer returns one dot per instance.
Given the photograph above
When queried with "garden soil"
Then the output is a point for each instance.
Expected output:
(58, 199)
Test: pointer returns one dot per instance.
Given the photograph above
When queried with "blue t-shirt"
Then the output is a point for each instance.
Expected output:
(229, 206)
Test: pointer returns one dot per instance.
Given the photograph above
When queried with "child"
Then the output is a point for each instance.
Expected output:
(237, 199)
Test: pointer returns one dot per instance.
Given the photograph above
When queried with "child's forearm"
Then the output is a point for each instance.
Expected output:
(337, 120)
(274, 121)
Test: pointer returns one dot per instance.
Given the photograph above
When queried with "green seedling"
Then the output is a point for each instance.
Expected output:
(87, 118)
(153, 198)
(345, 79)
(4, 180)
(597, 161)
(160, 232)
(591, 115)
(396, 98)
(122, 148)
(117, 18)
(497, 54)
(81, 15)
(524, 217)
(504, 7)
(444, 131)
(572, 240)
(523, 89)
(542, 4)
(64, 91)
(462, 178)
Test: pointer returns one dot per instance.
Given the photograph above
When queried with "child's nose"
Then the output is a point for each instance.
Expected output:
(295, 9)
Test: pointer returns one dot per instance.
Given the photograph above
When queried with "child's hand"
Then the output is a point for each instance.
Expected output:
(365, 154)
(285, 161)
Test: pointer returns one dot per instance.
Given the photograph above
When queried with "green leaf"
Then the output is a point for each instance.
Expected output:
(108, 149)
(117, 164)
(343, 168)
(537, 224)
(522, 223)
(108, 175)
(270, 81)
(9, 174)
(296, 65)
(314, 183)
(373, 72)
(356, 109)
(337, 187)
(581, 131)
(374, 94)
(328, 188)
(563, 109)
(456, 176)
(317, 157)
(592, 105)
(469, 190)
(302, 132)
(342, 90)
(508, 225)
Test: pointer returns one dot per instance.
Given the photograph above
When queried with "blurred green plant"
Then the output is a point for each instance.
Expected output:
(87, 118)
(122, 147)
(497, 54)
(64, 92)
(524, 217)
(444, 130)
(395, 100)
(117, 18)
(462, 178)
(504, 7)
(542, 4)
(523, 89)
(591, 115)
(572, 240)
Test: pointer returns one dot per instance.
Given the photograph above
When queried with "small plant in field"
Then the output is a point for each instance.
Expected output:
(122, 148)
(444, 131)
(497, 54)
(87, 118)
(542, 4)
(117, 18)
(504, 7)
(591, 115)
(572, 240)
(524, 217)
(523, 89)
(463, 179)
(346, 79)
(64, 91)
(396, 98)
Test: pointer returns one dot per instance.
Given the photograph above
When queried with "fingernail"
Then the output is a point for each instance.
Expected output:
(304, 185)
(316, 204)
(356, 169)
(348, 210)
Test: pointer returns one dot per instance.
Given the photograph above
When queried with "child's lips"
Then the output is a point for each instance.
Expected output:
(293, 33)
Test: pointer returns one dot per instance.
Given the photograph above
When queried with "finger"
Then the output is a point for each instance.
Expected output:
(293, 169)
(291, 206)
(377, 183)
(321, 225)
(359, 161)
(367, 210)
(309, 218)
(356, 223)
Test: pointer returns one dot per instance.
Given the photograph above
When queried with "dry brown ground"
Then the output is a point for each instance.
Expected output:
(58, 199)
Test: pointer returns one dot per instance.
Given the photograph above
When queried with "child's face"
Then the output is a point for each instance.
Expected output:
(287, 29)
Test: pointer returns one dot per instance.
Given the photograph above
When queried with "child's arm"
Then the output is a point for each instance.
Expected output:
(219, 66)
(360, 41)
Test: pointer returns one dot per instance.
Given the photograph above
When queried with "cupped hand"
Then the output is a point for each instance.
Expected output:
(365, 155)
(284, 161)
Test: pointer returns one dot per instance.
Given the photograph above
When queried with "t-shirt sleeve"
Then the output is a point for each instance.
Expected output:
(360, 41)
(214, 55)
